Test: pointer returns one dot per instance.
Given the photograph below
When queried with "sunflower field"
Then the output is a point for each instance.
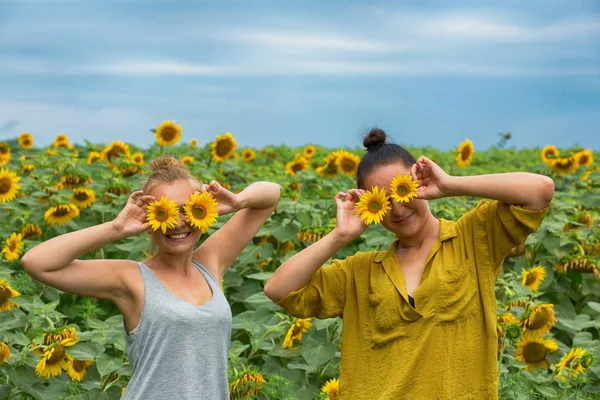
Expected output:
(54, 345)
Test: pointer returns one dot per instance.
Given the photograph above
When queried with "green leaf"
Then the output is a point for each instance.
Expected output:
(107, 365)
(594, 306)
(547, 391)
(261, 276)
(317, 354)
(85, 351)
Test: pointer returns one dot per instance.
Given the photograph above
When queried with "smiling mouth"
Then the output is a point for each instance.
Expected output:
(401, 220)
(178, 236)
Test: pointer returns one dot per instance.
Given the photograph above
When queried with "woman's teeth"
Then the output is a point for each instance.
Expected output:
(178, 236)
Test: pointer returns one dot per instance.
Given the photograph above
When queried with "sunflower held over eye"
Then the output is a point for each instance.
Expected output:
(93, 157)
(201, 211)
(168, 133)
(465, 153)
(6, 293)
(61, 214)
(247, 386)
(293, 167)
(533, 277)
(248, 154)
(533, 351)
(403, 188)
(223, 147)
(54, 359)
(83, 198)
(76, 369)
(540, 320)
(14, 246)
(309, 151)
(372, 206)
(25, 140)
(138, 158)
(585, 157)
(549, 154)
(564, 165)
(347, 162)
(294, 333)
(331, 388)
(9, 185)
(162, 214)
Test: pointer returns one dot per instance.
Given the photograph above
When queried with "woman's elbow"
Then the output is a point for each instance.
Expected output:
(271, 292)
(546, 190)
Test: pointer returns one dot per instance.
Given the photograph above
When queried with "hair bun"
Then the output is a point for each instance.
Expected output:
(375, 138)
(164, 161)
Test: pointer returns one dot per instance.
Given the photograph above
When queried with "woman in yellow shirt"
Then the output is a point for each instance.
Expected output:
(419, 318)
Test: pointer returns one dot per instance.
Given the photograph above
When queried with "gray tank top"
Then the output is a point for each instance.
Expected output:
(178, 350)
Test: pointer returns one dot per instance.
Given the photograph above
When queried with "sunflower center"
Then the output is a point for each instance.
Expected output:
(78, 365)
(348, 165)
(61, 211)
(4, 150)
(199, 212)
(331, 167)
(57, 356)
(26, 142)
(12, 245)
(531, 279)
(465, 153)
(224, 147)
(297, 167)
(534, 352)
(5, 185)
(4, 294)
(115, 152)
(374, 206)
(81, 196)
(168, 133)
(402, 190)
(162, 215)
(540, 318)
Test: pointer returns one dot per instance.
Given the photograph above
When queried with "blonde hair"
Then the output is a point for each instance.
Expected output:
(166, 169)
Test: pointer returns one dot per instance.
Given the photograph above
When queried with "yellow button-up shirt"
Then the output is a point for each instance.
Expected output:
(446, 347)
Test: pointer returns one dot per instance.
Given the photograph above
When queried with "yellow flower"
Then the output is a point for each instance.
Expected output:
(138, 158)
(61, 214)
(4, 159)
(295, 331)
(403, 188)
(330, 168)
(583, 264)
(564, 165)
(93, 157)
(223, 147)
(115, 149)
(465, 153)
(4, 149)
(162, 214)
(8, 185)
(14, 246)
(61, 138)
(248, 385)
(54, 359)
(76, 369)
(571, 363)
(533, 277)
(27, 168)
(293, 167)
(347, 162)
(586, 174)
(194, 143)
(584, 157)
(331, 388)
(248, 154)
(168, 133)
(201, 211)
(6, 293)
(25, 140)
(549, 154)
(540, 320)
(187, 159)
(59, 334)
(31, 231)
(506, 318)
(372, 206)
(309, 151)
(533, 351)
(4, 353)
(83, 198)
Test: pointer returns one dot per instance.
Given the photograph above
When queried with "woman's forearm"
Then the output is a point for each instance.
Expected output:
(531, 191)
(259, 195)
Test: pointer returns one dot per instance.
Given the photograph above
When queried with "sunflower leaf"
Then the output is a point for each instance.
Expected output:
(85, 351)
(107, 365)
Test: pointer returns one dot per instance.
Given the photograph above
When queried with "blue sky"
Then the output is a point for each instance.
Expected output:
(431, 73)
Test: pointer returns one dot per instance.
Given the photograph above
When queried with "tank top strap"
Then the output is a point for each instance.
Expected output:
(207, 274)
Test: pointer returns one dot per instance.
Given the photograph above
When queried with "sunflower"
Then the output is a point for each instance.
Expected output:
(330, 168)
(586, 174)
(347, 162)
(83, 198)
(93, 157)
(201, 211)
(6, 293)
(25, 140)
(138, 158)
(162, 214)
(248, 154)
(168, 133)
(309, 151)
(247, 386)
(8, 185)
(63, 145)
(533, 277)
(58, 334)
(131, 171)
(564, 165)
(295, 331)
(194, 142)
(403, 188)
(54, 359)
(4, 159)
(293, 167)
(533, 351)
(571, 363)
(115, 149)
(506, 318)
(465, 153)
(14, 246)
(4, 352)
(549, 154)
(584, 157)
(372, 206)
(331, 388)
(61, 214)
(61, 138)
(31, 231)
(583, 264)
(4, 149)
(76, 369)
(27, 168)
(187, 159)
(539, 321)
(223, 147)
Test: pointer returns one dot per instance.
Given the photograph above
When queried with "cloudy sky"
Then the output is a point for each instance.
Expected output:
(290, 72)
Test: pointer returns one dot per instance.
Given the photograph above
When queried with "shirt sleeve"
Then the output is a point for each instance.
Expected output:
(501, 227)
(324, 296)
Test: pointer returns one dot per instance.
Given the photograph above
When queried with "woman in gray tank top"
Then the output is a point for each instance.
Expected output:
(177, 320)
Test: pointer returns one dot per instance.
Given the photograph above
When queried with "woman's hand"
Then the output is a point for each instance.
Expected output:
(431, 178)
(227, 202)
(132, 218)
(348, 225)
